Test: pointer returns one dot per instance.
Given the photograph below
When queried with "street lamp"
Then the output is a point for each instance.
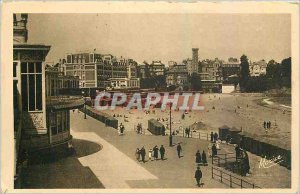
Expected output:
(84, 104)
(170, 137)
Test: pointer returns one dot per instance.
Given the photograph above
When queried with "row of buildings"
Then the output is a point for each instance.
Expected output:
(96, 70)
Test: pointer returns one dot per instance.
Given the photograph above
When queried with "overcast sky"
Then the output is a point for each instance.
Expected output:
(164, 37)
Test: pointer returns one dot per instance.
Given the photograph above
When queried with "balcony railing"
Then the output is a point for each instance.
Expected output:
(64, 102)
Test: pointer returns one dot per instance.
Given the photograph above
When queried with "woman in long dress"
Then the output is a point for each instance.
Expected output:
(137, 154)
(198, 157)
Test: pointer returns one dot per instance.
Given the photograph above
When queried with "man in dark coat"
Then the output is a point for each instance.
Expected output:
(246, 164)
(179, 149)
(214, 150)
(237, 151)
(143, 153)
(162, 152)
(211, 136)
(215, 137)
(198, 176)
(155, 151)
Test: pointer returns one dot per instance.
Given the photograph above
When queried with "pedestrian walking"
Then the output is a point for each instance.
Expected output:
(137, 154)
(265, 124)
(162, 152)
(211, 136)
(179, 150)
(215, 137)
(269, 124)
(155, 152)
(143, 153)
(150, 155)
(122, 128)
(198, 176)
(245, 165)
(214, 150)
(186, 132)
(204, 160)
(198, 157)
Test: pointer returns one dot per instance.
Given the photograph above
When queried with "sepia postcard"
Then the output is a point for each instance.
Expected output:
(149, 97)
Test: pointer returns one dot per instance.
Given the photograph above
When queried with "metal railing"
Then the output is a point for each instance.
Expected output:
(223, 158)
(229, 162)
(197, 135)
(231, 180)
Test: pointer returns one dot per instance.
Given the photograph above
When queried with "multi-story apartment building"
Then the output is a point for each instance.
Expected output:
(258, 68)
(231, 70)
(211, 69)
(177, 75)
(189, 65)
(171, 63)
(83, 65)
(96, 71)
(156, 68)
(41, 117)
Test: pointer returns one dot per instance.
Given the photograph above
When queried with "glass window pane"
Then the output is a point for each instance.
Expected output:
(39, 102)
(15, 70)
(31, 67)
(38, 67)
(31, 92)
(23, 67)
(24, 92)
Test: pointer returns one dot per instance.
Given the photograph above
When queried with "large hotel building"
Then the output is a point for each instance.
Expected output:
(101, 71)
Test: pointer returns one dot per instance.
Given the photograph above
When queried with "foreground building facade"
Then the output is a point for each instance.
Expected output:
(41, 117)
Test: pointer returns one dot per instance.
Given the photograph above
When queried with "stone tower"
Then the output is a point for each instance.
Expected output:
(195, 60)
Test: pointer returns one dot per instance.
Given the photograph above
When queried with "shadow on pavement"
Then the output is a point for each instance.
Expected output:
(84, 148)
(61, 169)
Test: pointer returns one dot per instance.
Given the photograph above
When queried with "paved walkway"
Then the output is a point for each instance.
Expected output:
(112, 167)
(171, 173)
(116, 167)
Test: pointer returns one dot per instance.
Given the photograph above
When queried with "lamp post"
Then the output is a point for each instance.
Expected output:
(84, 104)
(170, 137)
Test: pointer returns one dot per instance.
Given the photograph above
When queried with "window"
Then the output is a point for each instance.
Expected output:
(31, 86)
(15, 70)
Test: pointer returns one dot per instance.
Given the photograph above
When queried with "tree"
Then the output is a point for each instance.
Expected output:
(286, 73)
(244, 73)
(195, 81)
(273, 74)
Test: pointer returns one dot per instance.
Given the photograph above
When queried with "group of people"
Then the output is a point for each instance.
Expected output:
(267, 125)
(152, 154)
(201, 158)
(187, 132)
(162, 119)
(214, 137)
(139, 128)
